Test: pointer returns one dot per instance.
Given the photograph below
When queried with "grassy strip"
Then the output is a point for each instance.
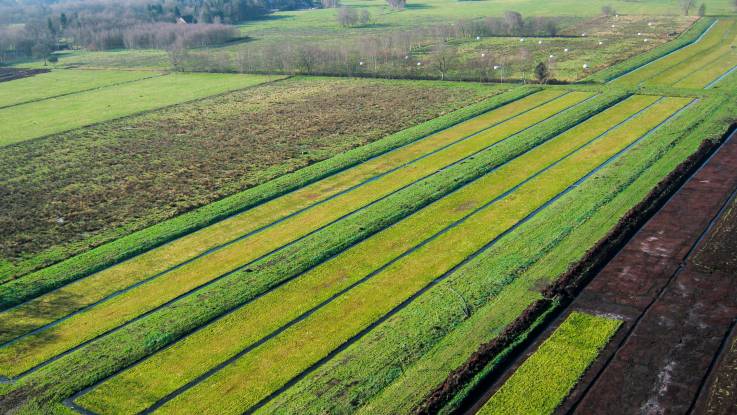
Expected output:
(164, 372)
(620, 69)
(663, 66)
(84, 366)
(41, 118)
(680, 147)
(394, 367)
(235, 232)
(44, 280)
(62, 82)
(311, 339)
(36, 348)
(703, 61)
(546, 377)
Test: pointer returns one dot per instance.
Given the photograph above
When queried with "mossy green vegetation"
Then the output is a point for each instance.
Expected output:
(541, 383)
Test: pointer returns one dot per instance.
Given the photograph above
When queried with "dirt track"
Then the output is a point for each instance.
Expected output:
(673, 286)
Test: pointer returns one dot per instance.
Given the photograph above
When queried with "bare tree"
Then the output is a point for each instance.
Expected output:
(443, 59)
(347, 16)
(702, 10)
(330, 4)
(397, 4)
(686, 6)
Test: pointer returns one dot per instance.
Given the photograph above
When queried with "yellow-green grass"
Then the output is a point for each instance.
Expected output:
(268, 367)
(62, 82)
(712, 71)
(700, 63)
(710, 41)
(153, 379)
(54, 115)
(38, 347)
(49, 307)
(392, 368)
(56, 304)
(541, 383)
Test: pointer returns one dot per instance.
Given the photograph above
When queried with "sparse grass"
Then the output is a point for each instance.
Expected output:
(541, 383)
(41, 118)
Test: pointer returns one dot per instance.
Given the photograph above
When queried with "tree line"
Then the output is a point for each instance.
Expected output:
(425, 52)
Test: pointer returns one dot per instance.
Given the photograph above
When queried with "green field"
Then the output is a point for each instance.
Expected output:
(63, 82)
(54, 115)
(545, 378)
(318, 245)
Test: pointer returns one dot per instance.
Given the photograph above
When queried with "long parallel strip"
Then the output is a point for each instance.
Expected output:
(698, 63)
(143, 385)
(264, 370)
(31, 350)
(541, 383)
(394, 366)
(709, 41)
(714, 70)
(82, 293)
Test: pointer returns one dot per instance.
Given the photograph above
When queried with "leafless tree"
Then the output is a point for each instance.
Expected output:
(443, 58)
(686, 6)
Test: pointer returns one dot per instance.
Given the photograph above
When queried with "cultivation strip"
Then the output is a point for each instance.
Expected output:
(342, 273)
(677, 314)
(359, 371)
(31, 351)
(716, 81)
(683, 74)
(125, 276)
(709, 40)
(541, 383)
(688, 66)
(176, 229)
(651, 57)
(270, 236)
(432, 258)
(709, 72)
